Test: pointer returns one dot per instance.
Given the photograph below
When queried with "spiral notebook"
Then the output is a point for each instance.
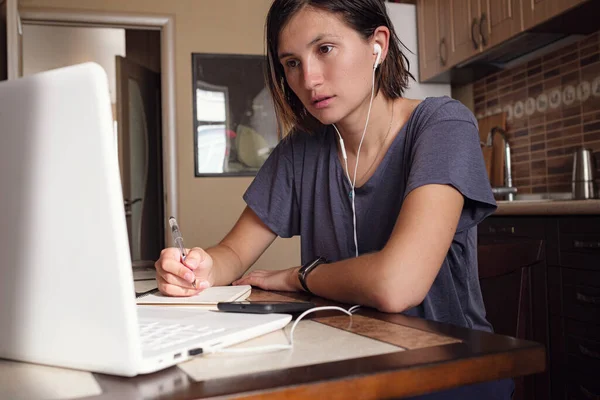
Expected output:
(210, 296)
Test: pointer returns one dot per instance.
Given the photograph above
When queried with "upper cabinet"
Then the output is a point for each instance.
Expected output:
(451, 32)
(499, 20)
(538, 11)
(432, 40)
(464, 29)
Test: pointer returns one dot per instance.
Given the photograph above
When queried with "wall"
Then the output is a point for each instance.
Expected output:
(50, 47)
(464, 94)
(208, 207)
(553, 107)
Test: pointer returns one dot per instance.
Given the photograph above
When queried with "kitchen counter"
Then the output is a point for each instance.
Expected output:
(548, 207)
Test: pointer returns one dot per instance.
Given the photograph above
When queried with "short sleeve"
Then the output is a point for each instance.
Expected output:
(272, 195)
(447, 151)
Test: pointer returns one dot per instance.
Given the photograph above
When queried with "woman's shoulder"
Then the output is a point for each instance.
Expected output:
(433, 110)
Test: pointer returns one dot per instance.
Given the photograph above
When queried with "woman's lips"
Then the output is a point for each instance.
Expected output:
(323, 102)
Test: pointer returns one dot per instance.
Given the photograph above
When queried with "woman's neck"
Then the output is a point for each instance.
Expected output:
(380, 121)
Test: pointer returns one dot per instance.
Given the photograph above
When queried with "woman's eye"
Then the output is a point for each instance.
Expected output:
(325, 49)
(291, 63)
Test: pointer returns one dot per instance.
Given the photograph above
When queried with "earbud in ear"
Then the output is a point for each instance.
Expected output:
(377, 50)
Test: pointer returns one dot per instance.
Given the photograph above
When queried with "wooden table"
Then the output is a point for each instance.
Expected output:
(467, 356)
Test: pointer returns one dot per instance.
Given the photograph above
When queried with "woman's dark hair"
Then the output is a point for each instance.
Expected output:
(364, 16)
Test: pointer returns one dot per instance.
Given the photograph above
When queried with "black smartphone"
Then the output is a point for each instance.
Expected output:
(266, 307)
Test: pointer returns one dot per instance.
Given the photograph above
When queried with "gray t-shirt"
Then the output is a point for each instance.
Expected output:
(302, 190)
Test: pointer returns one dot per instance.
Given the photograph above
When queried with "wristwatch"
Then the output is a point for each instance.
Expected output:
(306, 268)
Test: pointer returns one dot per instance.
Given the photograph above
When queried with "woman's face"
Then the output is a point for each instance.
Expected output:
(327, 64)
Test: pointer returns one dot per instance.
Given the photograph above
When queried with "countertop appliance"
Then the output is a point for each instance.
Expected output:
(584, 174)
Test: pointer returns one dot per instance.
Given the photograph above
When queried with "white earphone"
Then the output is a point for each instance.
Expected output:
(376, 50)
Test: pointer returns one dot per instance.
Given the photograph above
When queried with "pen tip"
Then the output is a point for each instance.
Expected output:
(171, 217)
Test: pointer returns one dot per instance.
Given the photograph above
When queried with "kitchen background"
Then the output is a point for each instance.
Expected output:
(552, 105)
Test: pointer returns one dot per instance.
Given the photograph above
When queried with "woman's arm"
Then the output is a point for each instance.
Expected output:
(219, 265)
(399, 276)
(242, 246)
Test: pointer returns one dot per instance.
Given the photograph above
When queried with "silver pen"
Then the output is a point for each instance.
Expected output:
(178, 239)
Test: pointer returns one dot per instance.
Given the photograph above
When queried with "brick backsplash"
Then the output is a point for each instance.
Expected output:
(553, 107)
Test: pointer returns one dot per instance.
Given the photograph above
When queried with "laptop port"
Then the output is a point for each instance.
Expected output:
(195, 352)
(177, 355)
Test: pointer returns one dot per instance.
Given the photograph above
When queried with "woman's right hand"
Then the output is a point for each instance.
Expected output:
(175, 278)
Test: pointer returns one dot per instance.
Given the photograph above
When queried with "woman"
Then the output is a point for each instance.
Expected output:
(388, 190)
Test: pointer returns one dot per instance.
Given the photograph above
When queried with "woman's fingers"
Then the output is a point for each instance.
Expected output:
(178, 269)
(173, 289)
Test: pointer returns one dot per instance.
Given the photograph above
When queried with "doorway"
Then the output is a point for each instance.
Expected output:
(132, 61)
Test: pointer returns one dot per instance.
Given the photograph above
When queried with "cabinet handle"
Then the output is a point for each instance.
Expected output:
(483, 30)
(588, 394)
(595, 300)
(587, 352)
(502, 229)
(578, 244)
(443, 60)
(475, 33)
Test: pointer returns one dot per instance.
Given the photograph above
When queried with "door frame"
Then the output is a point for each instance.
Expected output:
(166, 25)
(13, 32)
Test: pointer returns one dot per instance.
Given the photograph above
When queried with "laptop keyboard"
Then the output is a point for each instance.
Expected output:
(157, 335)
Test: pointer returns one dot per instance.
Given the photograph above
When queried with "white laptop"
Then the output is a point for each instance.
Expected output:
(66, 287)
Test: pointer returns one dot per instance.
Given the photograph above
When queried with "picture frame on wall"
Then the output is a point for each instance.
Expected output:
(235, 127)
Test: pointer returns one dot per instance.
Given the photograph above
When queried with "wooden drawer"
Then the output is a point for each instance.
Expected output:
(580, 250)
(583, 386)
(579, 243)
(582, 345)
(574, 293)
(575, 352)
(584, 355)
(503, 227)
(579, 224)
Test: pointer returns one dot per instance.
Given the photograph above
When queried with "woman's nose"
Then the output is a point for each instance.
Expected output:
(313, 75)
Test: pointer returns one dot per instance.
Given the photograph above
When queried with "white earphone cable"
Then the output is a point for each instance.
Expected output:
(353, 181)
(276, 347)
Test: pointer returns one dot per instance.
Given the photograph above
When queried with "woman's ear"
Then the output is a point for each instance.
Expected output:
(381, 36)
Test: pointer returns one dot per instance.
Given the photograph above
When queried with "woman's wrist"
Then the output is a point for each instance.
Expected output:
(294, 281)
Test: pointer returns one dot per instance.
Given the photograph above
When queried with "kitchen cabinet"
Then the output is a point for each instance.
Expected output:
(499, 20)
(538, 11)
(464, 30)
(451, 32)
(433, 38)
(574, 281)
(540, 280)
(512, 273)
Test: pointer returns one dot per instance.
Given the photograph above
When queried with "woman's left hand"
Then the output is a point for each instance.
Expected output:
(283, 280)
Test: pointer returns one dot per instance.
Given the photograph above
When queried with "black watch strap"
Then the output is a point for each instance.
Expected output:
(305, 270)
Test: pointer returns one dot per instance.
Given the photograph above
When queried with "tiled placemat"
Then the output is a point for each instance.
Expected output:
(399, 335)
